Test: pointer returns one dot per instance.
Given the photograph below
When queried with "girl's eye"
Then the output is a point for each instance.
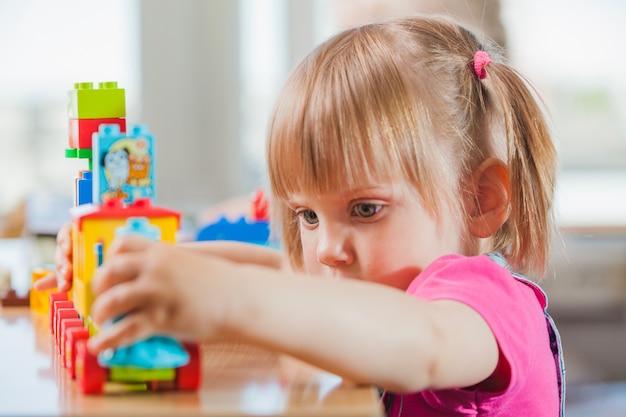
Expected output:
(308, 216)
(365, 210)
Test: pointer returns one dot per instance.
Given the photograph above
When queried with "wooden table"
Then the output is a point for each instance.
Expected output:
(237, 380)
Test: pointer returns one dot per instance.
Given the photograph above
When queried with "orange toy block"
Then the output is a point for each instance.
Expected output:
(40, 300)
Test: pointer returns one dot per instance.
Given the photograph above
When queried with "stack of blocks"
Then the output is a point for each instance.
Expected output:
(114, 195)
(87, 109)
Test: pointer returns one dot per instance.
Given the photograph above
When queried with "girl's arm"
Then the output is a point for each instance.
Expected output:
(362, 331)
(239, 252)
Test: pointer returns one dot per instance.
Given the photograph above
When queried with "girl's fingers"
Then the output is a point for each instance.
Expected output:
(64, 239)
(122, 268)
(130, 243)
(124, 332)
(122, 299)
(46, 283)
(64, 270)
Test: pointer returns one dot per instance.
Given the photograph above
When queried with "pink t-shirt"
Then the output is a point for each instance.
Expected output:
(515, 315)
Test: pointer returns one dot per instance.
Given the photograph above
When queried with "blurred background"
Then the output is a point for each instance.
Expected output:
(203, 75)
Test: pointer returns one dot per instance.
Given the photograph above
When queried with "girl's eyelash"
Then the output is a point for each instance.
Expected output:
(355, 210)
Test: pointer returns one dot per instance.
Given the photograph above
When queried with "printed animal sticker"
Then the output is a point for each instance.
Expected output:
(123, 164)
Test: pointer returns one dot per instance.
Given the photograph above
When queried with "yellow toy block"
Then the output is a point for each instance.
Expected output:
(40, 300)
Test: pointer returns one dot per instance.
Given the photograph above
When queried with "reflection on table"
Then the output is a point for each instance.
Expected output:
(237, 379)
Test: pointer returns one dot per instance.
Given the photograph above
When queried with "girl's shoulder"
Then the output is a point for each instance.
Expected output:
(453, 266)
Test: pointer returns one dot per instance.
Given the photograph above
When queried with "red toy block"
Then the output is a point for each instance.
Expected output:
(53, 311)
(81, 130)
(72, 336)
(89, 374)
(65, 326)
(188, 376)
(260, 206)
(62, 314)
(54, 297)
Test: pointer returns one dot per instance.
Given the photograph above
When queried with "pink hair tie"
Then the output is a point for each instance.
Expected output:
(481, 59)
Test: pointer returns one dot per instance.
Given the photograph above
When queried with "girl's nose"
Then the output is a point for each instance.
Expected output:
(334, 248)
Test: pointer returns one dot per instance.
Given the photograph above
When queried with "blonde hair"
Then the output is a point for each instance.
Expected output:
(400, 99)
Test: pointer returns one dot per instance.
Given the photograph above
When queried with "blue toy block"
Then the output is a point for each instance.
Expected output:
(139, 226)
(84, 188)
(242, 231)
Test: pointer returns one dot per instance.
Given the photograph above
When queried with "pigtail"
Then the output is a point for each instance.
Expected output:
(526, 235)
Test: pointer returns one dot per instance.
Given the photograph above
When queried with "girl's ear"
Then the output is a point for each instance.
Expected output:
(490, 198)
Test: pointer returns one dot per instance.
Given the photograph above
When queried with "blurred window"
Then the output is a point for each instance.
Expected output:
(47, 46)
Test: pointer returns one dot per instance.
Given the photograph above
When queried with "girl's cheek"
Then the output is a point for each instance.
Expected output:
(311, 266)
(309, 250)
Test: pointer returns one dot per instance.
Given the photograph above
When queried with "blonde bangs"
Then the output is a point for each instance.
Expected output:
(338, 130)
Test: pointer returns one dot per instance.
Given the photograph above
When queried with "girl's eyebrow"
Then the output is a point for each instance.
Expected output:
(386, 190)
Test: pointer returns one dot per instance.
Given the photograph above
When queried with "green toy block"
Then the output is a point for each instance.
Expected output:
(87, 102)
(81, 154)
(133, 374)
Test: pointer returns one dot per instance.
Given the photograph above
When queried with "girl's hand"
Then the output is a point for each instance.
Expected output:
(156, 287)
(62, 277)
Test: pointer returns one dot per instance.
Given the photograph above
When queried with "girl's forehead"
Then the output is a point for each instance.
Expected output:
(384, 189)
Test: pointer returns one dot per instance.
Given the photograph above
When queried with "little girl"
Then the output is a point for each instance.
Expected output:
(412, 179)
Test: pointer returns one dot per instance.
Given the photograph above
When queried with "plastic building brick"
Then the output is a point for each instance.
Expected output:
(79, 153)
(71, 337)
(81, 130)
(96, 224)
(242, 231)
(66, 325)
(139, 226)
(106, 101)
(125, 164)
(255, 230)
(83, 188)
(57, 306)
(40, 300)
(260, 206)
(90, 375)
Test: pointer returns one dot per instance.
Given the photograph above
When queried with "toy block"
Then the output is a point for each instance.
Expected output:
(123, 164)
(188, 377)
(87, 102)
(62, 314)
(139, 226)
(40, 300)
(81, 154)
(52, 299)
(83, 188)
(54, 307)
(241, 231)
(73, 335)
(81, 130)
(66, 325)
(260, 206)
(81, 291)
(78, 153)
(90, 376)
